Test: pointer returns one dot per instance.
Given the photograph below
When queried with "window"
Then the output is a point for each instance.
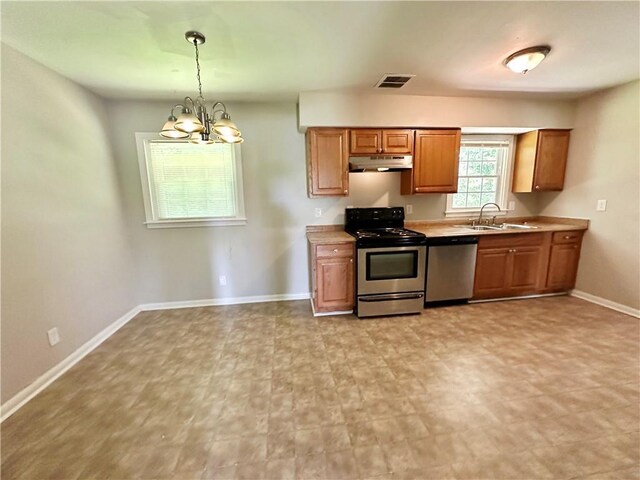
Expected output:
(189, 185)
(483, 175)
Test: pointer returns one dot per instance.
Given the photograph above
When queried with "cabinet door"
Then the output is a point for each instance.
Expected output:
(551, 160)
(491, 273)
(334, 283)
(563, 266)
(327, 154)
(397, 141)
(435, 164)
(525, 267)
(366, 142)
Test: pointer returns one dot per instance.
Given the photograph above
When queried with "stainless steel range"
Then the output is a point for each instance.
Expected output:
(390, 262)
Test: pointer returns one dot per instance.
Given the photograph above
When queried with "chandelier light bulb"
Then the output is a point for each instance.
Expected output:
(188, 122)
(168, 130)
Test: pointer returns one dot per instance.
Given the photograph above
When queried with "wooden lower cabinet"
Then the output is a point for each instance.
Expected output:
(563, 261)
(491, 273)
(509, 265)
(332, 277)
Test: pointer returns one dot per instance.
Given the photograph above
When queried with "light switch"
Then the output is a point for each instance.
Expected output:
(601, 206)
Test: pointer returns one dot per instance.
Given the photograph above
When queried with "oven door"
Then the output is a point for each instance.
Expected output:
(391, 269)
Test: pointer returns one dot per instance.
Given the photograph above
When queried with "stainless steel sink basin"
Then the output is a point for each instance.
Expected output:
(504, 226)
(478, 227)
(516, 226)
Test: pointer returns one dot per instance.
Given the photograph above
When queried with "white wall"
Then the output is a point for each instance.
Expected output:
(66, 256)
(318, 109)
(268, 256)
(604, 163)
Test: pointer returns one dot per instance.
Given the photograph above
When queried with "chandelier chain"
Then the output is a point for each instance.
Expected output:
(198, 68)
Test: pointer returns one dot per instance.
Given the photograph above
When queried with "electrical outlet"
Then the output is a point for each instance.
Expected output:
(223, 280)
(409, 209)
(511, 206)
(601, 206)
(318, 212)
(54, 336)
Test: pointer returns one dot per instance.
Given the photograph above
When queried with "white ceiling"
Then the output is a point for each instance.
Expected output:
(273, 50)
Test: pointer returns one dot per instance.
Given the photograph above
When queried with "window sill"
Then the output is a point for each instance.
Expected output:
(188, 223)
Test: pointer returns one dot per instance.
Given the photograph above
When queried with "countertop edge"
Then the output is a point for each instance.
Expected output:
(319, 234)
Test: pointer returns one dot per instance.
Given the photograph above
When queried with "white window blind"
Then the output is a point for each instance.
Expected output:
(189, 182)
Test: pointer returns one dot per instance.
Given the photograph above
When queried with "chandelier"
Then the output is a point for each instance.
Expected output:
(195, 122)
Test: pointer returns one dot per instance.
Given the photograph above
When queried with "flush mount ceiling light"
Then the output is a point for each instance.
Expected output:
(524, 60)
(195, 122)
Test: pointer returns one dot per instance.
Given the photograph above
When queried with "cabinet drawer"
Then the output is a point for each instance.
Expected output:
(567, 237)
(511, 240)
(334, 250)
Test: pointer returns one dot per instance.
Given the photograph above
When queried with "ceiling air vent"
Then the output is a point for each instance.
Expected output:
(394, 80)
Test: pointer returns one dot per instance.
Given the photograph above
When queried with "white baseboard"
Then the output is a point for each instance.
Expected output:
(521, 297)
(43, 381)
(618, 307)
(326, 314)
(211, 302)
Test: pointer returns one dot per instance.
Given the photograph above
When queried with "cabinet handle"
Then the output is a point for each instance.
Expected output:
(345, 191)
(351, 260)
(335, 250)
(567, 237)
(537, 187)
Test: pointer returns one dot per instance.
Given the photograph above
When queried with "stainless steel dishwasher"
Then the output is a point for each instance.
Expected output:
(451, 265)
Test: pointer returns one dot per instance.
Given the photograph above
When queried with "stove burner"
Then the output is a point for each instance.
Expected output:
(366, 234)
(380, 227)
(387, 232)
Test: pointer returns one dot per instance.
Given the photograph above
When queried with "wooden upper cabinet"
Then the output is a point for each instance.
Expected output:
(540, 161)
(435, 163)
(328, 161)
(366, 141)
(397, 141)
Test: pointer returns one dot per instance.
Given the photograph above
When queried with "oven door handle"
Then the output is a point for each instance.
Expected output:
(391, 296)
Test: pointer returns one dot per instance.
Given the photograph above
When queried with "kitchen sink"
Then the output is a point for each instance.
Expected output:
(504, 226)
(478, 227)
(516, 226)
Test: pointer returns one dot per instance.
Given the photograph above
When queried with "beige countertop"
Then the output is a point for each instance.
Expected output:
(336, 236)
(318, 234)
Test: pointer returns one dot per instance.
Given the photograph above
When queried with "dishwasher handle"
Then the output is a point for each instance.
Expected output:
(459, 240)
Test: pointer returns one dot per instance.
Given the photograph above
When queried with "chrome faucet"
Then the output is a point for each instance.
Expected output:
(482, 210)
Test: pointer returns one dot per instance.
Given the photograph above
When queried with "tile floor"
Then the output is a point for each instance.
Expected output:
(533, 389)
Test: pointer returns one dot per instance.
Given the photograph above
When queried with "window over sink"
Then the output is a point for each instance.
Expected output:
(190, 185)
(483, 174)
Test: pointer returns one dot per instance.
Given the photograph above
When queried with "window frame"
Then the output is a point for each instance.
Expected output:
(504, 180)
(151, 221)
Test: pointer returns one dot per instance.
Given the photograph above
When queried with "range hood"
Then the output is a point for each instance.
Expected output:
(380, 163)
